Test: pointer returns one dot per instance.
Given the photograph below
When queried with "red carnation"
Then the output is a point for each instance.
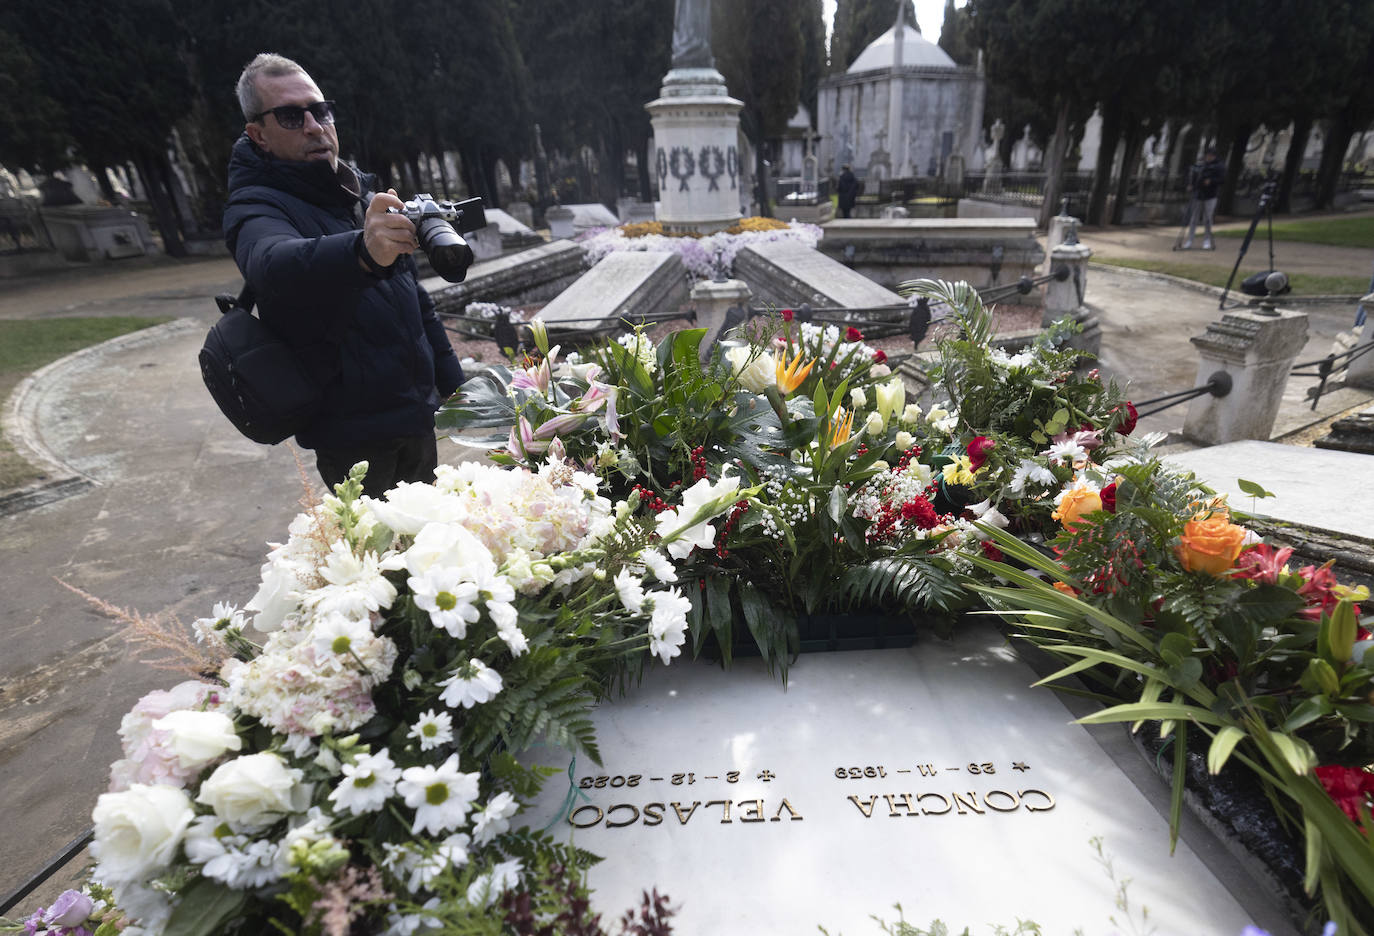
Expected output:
(1127, 425)
(920, 511)
(991, 551)
(1108, 495)
(1349, 787)
(853, 334)
(879, 357)
(978, 451)
(787, 315)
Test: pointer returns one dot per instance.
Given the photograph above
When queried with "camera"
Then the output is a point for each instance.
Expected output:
(435, 221)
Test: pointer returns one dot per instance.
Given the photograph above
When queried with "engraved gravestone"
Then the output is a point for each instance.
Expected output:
(934, 776)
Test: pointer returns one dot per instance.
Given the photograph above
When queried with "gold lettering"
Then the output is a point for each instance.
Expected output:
(650, 812)
(725, 813)
(1015, 801)
(572, 817)
(927, 770)
(677, 808)
(1029, 807)
(754, 811)
(971, 803)
(620, 825)
(906, 804)
(866, 809)
(793, 815)
(934, 812)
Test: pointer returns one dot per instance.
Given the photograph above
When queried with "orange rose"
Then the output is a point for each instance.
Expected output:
(1075, 502)
(1065, 587)
(1211, 545)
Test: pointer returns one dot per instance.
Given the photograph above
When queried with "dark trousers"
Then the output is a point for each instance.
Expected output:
(411, 458)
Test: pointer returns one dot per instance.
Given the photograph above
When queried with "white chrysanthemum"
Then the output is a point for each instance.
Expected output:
(660, 565)
(355, 585)
(408, 924)
(1068, 452)
(1030, 472)
(441, 796)
(224, 620)
(432, 729)
(367, 783)
(472, 683)
(486, 888)
(700, 498)
(336, 636)
(449, 600)
(494, 818)
(667, 622)
(630, 590)
(237, 861)
(515, 638)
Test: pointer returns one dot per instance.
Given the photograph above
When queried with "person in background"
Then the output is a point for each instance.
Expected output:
(1208, 177)
(848, 191)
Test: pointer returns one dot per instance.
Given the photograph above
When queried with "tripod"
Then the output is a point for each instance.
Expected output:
(1264, 209)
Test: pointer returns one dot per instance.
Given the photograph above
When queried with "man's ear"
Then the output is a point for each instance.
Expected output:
(254, 131)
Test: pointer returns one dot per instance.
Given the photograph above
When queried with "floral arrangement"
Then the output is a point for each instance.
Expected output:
(705, 257)
(356, 767)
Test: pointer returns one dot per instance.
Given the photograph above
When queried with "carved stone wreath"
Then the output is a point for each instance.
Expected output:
(712, 157)
(732, 164)
(661, 165)
(682, 166)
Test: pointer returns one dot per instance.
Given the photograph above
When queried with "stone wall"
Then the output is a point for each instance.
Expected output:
(985, 252)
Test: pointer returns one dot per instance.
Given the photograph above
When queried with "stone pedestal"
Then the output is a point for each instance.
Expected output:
(1059, 233)
(560, 222)
(712, 300)
(1256, 351)
(697, 158)
(1361, 370)
(1064, 298)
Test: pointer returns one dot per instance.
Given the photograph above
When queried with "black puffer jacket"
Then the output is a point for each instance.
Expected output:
(375, 344)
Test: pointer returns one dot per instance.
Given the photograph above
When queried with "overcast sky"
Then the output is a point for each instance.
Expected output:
(929, 14)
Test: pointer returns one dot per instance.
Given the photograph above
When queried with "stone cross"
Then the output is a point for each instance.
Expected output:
(881, 137)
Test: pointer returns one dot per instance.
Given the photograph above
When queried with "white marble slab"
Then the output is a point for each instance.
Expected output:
(1320, 488)
(722, 790)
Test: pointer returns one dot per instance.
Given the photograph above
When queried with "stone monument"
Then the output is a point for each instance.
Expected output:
(696, 131)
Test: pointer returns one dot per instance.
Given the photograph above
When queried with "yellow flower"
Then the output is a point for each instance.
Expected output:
(959, 471)
(791, 376)
(841, 426)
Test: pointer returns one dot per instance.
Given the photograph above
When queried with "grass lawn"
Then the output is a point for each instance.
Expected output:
(27, 345)
(1303, 284)
(1334, 232)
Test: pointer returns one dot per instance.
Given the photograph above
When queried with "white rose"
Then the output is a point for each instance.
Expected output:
(198, 737)
(138, 831)
(904, 440)
(875, 425)
(857, 398)
(254, 791)
(757, 375)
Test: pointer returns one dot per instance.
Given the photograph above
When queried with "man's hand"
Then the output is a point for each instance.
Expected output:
(385, 235)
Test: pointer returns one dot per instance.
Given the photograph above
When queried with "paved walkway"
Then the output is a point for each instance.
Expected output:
(174, 509)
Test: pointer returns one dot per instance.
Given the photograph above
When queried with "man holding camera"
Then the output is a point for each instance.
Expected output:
(331, 272)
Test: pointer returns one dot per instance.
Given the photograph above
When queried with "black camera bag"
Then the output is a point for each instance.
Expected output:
(256, 379)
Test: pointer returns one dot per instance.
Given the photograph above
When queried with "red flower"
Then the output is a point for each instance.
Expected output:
(1108, 495)
(978, 450)
(920, 511)
(991, 551)
(787, 315)
(879, 357)
(1349, 787)
(853, 334)
(1127, 424)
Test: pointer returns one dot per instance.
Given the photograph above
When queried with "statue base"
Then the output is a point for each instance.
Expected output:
(697, 155)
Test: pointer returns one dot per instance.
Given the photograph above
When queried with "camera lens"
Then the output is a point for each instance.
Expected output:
(448, 253)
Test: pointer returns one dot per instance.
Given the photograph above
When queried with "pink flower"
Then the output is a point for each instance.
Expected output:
(1263, 563)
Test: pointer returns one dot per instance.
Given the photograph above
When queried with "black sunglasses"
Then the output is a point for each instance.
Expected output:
(291, 117)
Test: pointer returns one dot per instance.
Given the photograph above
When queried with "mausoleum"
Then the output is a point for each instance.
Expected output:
(901, 109)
